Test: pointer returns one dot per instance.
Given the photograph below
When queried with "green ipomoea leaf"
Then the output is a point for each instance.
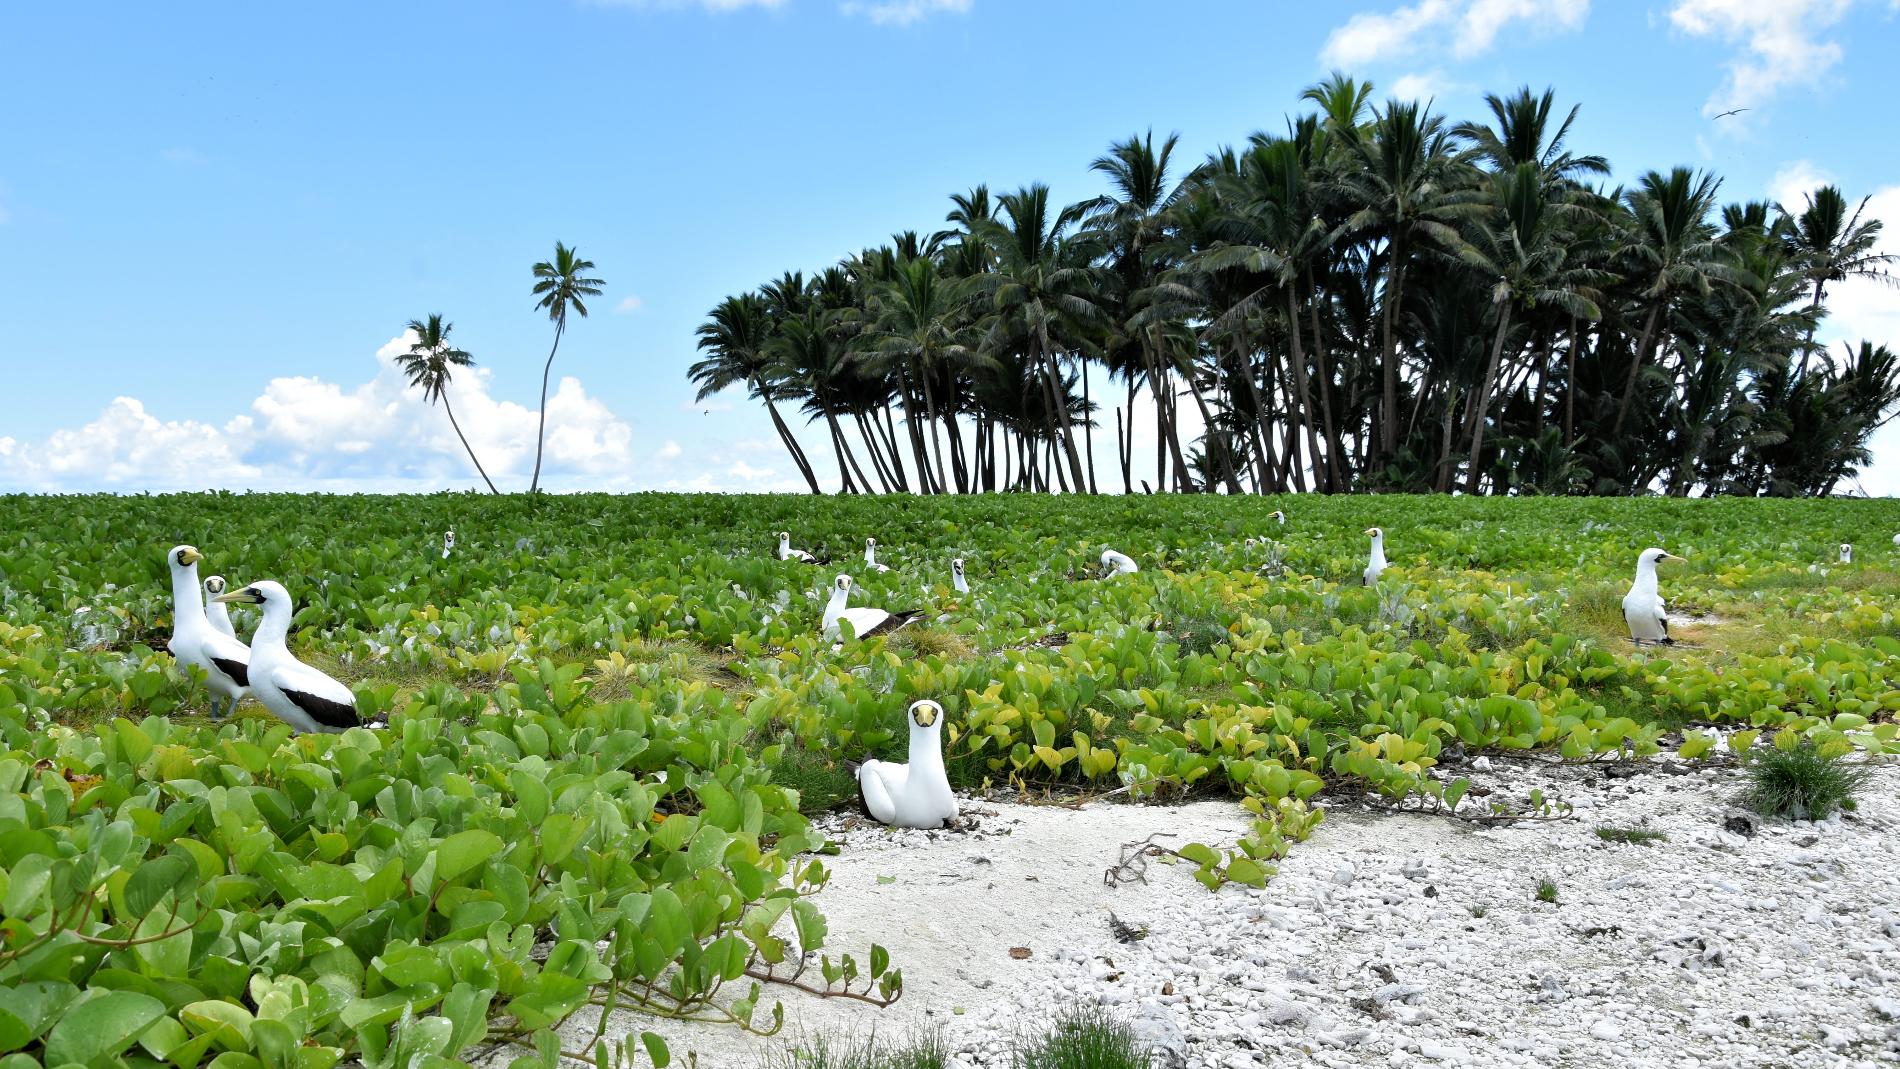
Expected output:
(155, 879)
(463, 851)
(93, 1031)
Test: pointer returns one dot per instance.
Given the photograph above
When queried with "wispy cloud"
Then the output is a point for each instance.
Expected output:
(1464, 28)
(902, 12)
(1779, 45)
(1423, 85)
(629, 304)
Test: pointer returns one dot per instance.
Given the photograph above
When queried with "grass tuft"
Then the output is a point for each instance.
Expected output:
(1632, 836)
(925, 1051)
(1802, 783)
(1083, 1037)
(934, 642)
(822, 784)
(1546, 891)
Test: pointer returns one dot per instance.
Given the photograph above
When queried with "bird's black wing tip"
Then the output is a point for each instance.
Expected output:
(237, 670)
(334, 715)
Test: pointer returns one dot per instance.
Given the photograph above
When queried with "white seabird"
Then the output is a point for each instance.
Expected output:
(870, 557)
(1279, 516)
(448, 543)
(223, 659)
(1847, 553)
(1643, 605)
(786, 552)
(1376, 564)
(864, 622)
(957, 581)
(214, 609)
(294, 692)
(1114, 563)
(915, 794)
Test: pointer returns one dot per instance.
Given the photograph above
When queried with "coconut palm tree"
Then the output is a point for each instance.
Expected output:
(430, 364)
(1832, 246)
(734, 339)
(562, 286)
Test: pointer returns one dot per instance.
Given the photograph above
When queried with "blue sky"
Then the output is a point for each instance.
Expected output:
(214, 219)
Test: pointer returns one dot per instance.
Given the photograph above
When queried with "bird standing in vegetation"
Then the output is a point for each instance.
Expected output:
(915, 794)
(294, 692)
(1643, 606)
(1847, 553)
(870, 557)
(448, 543)
(864, 622)
(957, 581)
(1375, 565)
(195, 641)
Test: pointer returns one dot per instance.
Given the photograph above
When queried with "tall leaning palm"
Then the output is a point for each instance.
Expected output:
(562, 284)
(430, 363)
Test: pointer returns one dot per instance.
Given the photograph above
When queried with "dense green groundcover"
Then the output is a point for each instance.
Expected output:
(609, 718)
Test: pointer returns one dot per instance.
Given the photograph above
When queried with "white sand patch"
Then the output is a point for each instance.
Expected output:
(1712, 948)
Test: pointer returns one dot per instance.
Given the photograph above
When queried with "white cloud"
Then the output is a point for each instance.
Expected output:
(1779, 40)
(670, 451)
(902, 12)
(629, 303)
(1465, 28)
(304, 432)
(1422, 86)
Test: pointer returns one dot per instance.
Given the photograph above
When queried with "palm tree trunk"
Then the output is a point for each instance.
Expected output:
(1636, 365)
(1335, 480)
(1570, 382)
(846, 486)
(919, 451)
(1088, 425)
(1303, 408)
(896, 454)
(1257, 428)
(541, 431)
(1482, 402)
(799, 459)
(1389, 350)
(1054, 375)
(1125, 445)
(870, 446)
(930, 420)
(1215, 439)
(471, 450)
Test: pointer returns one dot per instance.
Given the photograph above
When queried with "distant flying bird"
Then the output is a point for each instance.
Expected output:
(1731, 111)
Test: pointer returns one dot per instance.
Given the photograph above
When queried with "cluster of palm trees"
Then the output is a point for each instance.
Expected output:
(1377, 299)
(561, 285)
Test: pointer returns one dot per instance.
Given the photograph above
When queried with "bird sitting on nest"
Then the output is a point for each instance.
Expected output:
(915, 794)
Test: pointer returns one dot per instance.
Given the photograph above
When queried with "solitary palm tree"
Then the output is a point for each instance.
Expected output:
(561, 284)
(430, 363)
